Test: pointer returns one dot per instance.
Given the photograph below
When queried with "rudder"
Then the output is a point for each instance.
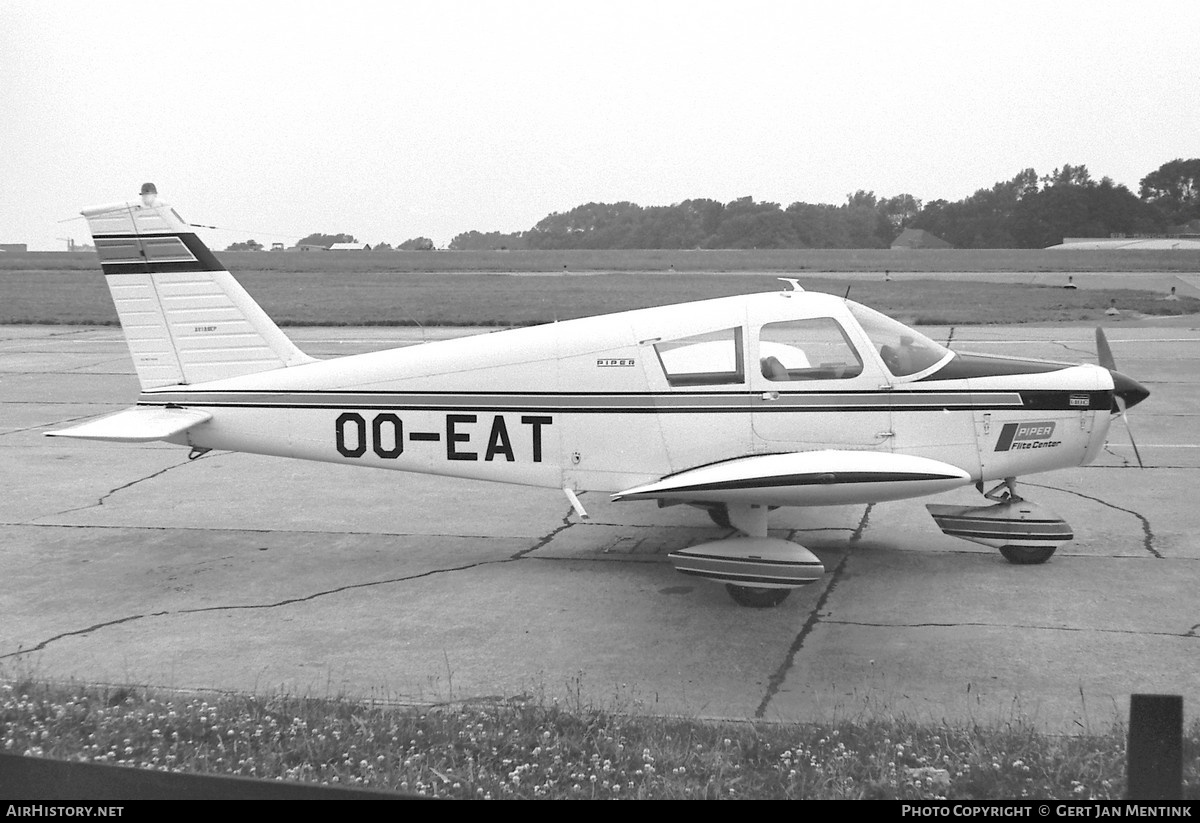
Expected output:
(186, 319)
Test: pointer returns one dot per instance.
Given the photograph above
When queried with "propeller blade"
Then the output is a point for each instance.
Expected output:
(1129, 430)
(1103, 352)
(1105, 356)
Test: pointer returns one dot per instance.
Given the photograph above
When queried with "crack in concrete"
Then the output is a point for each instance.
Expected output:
(110, 493)
(48, 335)
(1147, 532)
(108, 361)
(245, 607)
(249, 530)
(520, 555)
(1090, 353)
(47, 425)
(78, 632)
(555, 532)
(71, 372)
(1190, 633)
(291, 600)
(1125, 464)
(780, 674)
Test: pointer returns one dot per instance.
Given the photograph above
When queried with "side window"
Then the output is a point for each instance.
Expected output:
(815, 349)
(904, 351)
(709, 359)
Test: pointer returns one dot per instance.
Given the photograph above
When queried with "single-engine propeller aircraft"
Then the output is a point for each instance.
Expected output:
(736, 405)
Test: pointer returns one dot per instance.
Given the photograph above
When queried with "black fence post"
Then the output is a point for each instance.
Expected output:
(1154, 767)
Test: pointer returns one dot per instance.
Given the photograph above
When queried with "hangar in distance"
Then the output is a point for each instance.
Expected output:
(736, 405)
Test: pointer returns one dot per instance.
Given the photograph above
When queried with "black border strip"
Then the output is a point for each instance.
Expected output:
(807, 479)
(205, 259)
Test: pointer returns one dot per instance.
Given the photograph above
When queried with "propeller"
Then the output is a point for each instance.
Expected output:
(1127, 392)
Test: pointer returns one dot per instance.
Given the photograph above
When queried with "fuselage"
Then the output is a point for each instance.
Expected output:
(611, 402)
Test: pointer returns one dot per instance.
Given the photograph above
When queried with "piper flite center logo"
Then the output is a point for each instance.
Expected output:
(1020, 436)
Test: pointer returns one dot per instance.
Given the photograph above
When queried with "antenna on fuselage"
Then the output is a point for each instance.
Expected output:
(846, 296)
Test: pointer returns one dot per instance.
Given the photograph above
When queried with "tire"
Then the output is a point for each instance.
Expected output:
(1027, 555)
(755, 598)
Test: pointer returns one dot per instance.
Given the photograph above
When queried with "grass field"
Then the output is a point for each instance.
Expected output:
(534, 747)
(664, 260)
(392, 288)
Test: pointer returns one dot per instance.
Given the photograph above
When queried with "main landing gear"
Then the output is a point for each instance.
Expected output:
(758, 571)
(1026, 534)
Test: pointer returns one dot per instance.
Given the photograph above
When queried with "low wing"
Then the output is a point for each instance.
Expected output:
(818, 478)
(136, 425)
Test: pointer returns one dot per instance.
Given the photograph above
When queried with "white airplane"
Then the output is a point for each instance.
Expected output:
(736, 405)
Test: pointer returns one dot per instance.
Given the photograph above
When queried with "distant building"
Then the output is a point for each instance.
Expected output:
(350, 247)
(309, 247)
(1184, 237)
(1129, 243)
(919, 239)
(14, 247)
(276, 247)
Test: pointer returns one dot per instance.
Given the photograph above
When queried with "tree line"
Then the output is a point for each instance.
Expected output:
(1027, 211)
(327, 240)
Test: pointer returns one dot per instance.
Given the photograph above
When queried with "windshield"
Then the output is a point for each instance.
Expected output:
(904, 350)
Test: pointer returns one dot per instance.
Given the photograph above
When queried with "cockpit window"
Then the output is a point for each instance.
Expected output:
(904, 350)
(708, 359)
(814, 349)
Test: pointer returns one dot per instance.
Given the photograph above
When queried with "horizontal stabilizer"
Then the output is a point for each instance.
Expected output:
(136, 425)
(817, 478)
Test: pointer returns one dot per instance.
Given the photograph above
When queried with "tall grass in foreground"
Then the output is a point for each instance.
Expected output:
(538, 748)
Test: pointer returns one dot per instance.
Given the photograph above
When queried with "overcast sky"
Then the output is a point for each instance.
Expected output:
(400, 119)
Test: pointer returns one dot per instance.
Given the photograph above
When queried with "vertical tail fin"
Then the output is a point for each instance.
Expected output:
(186, 320)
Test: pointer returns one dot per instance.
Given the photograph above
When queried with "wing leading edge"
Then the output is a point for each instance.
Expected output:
(829, 477)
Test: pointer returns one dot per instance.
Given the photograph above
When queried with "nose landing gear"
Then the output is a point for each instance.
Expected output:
(1026, 534)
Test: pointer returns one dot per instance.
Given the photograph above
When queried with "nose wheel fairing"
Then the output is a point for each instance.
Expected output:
(1024, 532)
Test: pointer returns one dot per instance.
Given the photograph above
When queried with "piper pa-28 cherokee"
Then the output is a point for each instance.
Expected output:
(736, 405)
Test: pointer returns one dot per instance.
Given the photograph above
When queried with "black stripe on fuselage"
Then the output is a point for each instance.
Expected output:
(638, 402)
(1044, 400)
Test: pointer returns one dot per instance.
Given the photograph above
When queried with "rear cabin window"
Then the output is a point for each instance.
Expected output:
(710, 359)
(815, 349)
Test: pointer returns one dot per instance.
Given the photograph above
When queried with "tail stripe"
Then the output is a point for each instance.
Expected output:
(135, 254)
